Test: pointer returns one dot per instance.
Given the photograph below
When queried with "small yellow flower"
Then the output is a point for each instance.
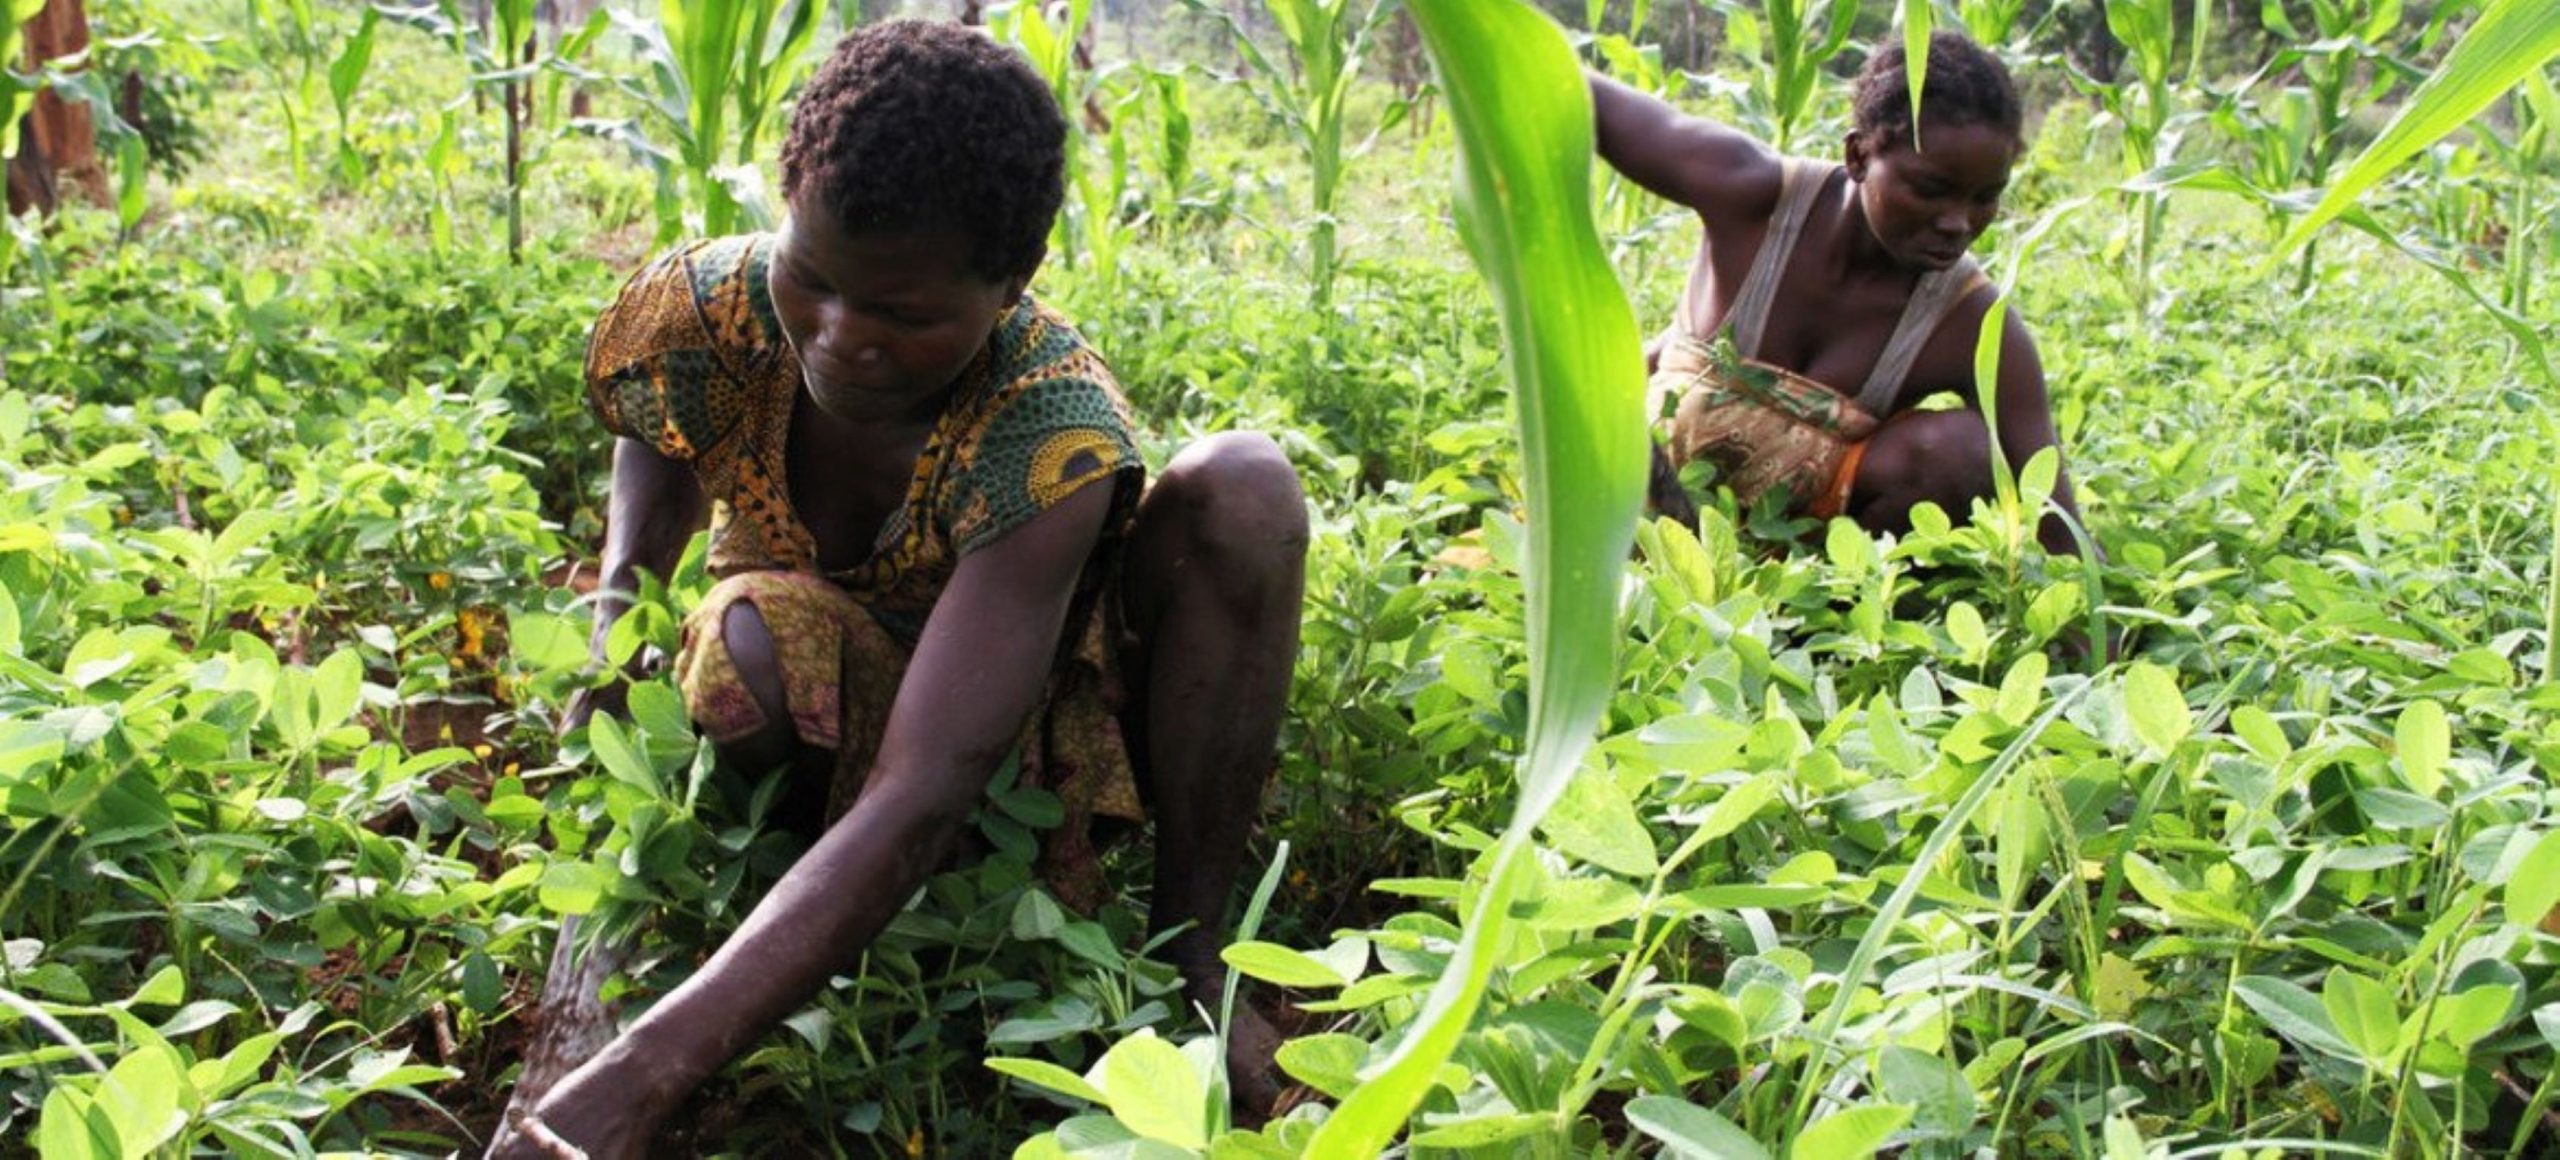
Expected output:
(124, 515)
(474, 623)
(439, 580)
(482, 751)
(513, 766)
(915, 1142)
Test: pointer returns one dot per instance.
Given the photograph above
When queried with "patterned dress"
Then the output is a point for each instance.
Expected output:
(1765, 428)
(691, 361)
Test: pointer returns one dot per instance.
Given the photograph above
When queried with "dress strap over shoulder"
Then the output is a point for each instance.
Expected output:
(1936, 295)
(1800, 183)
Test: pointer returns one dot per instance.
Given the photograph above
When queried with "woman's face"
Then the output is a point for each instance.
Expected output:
(1927, 205)
(883, 321)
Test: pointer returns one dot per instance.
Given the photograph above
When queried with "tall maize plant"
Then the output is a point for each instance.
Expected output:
(1327, 40)
(1523, 119)
(1790, 42)
(710, 60)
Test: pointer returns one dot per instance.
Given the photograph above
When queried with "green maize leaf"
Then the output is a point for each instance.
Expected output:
(1522, 112)
(1917, 19)
(2512, 40)
(347, 72)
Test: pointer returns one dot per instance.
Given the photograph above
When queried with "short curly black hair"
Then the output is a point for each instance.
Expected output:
(1965, 85)
(913, 125)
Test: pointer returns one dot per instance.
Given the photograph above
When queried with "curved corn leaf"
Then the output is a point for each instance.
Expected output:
(1917, 19)
(2513, 40)
(1524, 124)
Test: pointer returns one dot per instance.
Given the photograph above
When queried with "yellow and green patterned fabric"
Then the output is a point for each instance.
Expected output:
(691, 361)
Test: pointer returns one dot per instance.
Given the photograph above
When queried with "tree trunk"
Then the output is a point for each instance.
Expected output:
(58, 144)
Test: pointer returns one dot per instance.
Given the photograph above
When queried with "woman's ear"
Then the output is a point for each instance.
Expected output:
(1014, 286)
(1855, 152)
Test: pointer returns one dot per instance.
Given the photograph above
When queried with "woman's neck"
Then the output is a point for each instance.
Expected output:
(1862, 255)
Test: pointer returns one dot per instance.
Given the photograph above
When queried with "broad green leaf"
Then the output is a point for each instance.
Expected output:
(2512, 40)
(2260, 733)
(1273, 963)
(1060, 1018)
(141, 1097)
(1857, 1132)
(1942, 1103)
(1692, 1132)
(2155, 706)
(74, 1126)
(2393, 809)
(1738, 805)
(2020, 844)
(1329, 1063)
(2294, 1013)
(2364, 1013)
(1596, 823)
(1522, 114)
(1043, 1074)
(2534, 888)
(167, 987)
(25, 746)
(1581, 903)
(622, 759)
(1965, 628)
(573, 887)
(2465, 1017)
(1153, 1089)
(337, 688)
(2425, 741)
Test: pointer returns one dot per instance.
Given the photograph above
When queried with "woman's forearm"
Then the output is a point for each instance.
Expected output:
(815, 923)
(652, 510)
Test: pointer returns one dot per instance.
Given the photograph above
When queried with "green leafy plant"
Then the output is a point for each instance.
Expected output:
(717, 74)
(1326, 42)
(1788, 44)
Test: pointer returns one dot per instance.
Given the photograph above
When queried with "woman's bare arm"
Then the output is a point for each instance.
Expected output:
(653, 506)
(978, 671)
(1719, 171)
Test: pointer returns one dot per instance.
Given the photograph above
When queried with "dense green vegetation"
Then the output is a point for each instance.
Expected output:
(301, 493)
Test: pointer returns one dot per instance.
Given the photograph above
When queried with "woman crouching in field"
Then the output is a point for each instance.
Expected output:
(1827, 300)
(933, 551)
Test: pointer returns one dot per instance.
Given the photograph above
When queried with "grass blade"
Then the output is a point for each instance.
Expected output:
(1523, 117)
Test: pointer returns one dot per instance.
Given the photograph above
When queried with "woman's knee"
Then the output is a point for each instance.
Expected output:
(751, 650)
(1942, 457)
(1233, 497)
